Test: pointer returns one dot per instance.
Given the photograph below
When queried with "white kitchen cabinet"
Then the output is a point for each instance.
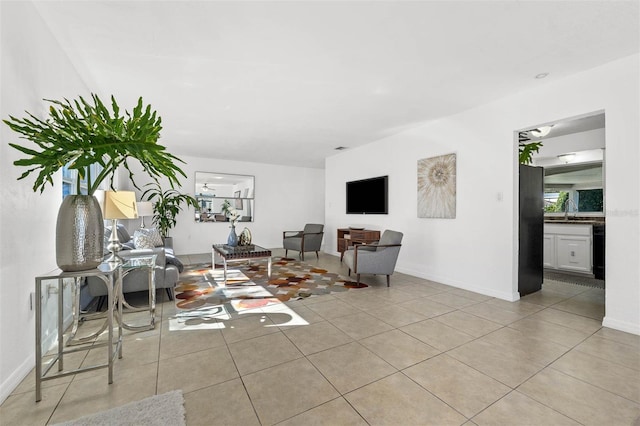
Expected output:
(549, 251)
(573, 253)
(568, 247)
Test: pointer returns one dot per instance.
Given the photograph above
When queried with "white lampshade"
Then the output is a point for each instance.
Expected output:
(145, 208)
(120, 205)
(99, 194)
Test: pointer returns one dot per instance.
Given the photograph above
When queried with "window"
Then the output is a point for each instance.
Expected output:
(69, 180)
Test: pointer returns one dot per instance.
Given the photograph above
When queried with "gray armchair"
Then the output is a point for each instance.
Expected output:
(376, 258)
(309, 239)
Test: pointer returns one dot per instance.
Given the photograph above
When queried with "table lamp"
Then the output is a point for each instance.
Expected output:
(145, 208)
(118, 205)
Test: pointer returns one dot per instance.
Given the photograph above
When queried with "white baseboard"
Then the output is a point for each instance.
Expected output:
(621, 325)
(510, 297)
(16, 378)
(29, 363)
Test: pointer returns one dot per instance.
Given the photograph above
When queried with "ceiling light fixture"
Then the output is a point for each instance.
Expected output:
(340, 148)
(567, 158)
(205, 188)
(541, 132)
(541, 75)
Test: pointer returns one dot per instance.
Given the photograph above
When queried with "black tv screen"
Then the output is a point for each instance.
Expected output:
(368, 196)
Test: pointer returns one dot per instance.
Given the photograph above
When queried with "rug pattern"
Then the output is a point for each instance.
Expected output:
(200, 297)
(290, 279)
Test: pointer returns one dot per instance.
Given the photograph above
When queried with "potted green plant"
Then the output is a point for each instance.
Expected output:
(78, 134)
(166, 206)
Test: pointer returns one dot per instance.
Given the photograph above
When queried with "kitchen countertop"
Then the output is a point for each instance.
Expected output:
(577, 221)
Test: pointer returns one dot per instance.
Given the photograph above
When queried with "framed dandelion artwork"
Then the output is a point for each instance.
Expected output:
(437, 187)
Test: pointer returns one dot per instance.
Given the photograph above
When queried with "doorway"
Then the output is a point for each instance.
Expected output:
(572, 153)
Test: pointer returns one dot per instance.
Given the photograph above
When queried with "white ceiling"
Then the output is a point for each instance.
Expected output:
(287, 82)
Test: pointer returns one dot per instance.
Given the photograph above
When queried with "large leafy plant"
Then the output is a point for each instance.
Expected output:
(526, 148)
(526, 151)
(80, 133)
(166, 206)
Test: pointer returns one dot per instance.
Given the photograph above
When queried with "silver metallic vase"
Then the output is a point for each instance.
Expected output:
(79, 233)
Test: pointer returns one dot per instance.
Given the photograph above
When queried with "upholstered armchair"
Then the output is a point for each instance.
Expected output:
(375, 258)
(309, 239)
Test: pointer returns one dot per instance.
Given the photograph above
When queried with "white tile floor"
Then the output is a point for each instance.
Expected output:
(417, 353)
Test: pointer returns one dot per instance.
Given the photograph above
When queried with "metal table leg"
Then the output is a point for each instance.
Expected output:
(38, 339)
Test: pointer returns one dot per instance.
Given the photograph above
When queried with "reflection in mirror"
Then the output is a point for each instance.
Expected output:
(573, 182)
(213, 189)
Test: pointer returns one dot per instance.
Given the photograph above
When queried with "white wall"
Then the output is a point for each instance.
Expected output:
(478, 249)
(32, 67)
(285, 199)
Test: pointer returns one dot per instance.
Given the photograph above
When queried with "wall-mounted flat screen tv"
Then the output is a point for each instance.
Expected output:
(368, 196)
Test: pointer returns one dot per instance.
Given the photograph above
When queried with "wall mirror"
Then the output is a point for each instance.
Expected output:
(575, 188)
(212, 189)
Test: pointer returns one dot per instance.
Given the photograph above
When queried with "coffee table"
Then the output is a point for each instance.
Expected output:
(238, 254)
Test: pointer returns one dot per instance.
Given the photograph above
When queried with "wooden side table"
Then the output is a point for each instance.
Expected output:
(348, 237)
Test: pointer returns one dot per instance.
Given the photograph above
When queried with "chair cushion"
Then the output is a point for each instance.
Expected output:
(313, 228)
(390, 237)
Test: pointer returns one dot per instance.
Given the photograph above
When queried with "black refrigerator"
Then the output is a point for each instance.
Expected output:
(531, 226)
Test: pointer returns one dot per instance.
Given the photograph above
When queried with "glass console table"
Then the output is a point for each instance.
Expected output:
(138, 262)
(109, 274)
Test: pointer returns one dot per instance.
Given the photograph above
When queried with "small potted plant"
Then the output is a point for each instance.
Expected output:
(78, 134)
(166, 206)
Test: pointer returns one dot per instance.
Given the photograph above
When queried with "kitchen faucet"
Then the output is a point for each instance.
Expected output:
(566, 208)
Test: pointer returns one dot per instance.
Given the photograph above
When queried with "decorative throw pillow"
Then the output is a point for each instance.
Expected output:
(147, 238)
(157, 239)
(123, 234)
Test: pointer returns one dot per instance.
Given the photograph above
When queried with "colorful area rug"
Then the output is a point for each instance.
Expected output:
(202, 299)
(290, 279)
(204, 302)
